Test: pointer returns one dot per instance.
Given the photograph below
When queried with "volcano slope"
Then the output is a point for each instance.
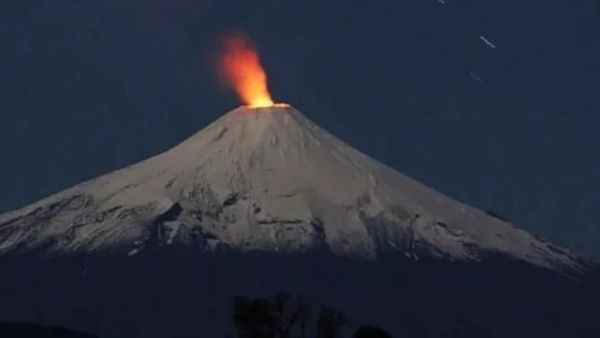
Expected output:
(264, 200)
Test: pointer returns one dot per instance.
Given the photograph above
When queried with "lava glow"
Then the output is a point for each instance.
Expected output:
(240, 67)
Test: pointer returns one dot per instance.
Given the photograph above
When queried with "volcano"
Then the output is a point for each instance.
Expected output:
(264, 200)
(267, 180)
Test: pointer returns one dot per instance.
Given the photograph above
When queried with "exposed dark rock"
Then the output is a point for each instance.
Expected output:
(171, 214)
(317, 224)
(496, 215)
(230, 200)
(279, 221)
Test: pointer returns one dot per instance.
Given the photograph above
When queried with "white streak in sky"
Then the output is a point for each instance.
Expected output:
(476, 77)
(487, 42)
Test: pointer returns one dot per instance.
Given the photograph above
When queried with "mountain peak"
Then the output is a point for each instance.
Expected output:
(247, 126)
(267, 179)
(246, 113)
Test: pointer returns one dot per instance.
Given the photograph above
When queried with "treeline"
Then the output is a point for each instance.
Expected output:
(285, 317)
(28, 330)
(281, 316)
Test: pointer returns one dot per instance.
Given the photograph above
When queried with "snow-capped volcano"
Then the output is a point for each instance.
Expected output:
(267, 179)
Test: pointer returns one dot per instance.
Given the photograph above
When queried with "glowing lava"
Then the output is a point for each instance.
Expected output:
(240, 67)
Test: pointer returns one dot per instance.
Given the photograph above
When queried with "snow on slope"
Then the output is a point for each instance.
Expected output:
(267, 179)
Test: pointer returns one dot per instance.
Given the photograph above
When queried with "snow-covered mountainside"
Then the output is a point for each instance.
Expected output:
(267, 179)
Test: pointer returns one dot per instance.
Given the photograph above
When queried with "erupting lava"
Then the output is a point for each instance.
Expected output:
(240, 67)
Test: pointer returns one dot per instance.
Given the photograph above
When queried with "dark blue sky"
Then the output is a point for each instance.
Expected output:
(91, 86)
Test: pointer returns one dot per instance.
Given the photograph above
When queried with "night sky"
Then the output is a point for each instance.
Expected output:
(87, 87)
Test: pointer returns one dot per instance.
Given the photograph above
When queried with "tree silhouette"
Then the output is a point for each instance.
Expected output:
(254, 318)
(329, 323)
(265, 318)
(368, 331)
(304, 311)
(286, 317)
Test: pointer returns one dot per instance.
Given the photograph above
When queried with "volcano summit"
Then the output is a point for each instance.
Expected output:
(267, 179)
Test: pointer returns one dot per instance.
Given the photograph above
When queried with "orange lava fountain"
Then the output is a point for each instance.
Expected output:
(240, 67)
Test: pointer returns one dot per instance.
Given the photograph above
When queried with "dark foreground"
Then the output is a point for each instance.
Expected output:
(182, 294)
(30, 330)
